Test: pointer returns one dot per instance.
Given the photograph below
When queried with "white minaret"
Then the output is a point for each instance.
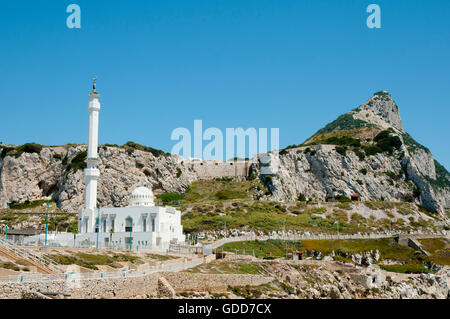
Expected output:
(91, 173)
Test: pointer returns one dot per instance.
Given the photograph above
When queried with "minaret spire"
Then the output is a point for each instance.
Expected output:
(92, 173)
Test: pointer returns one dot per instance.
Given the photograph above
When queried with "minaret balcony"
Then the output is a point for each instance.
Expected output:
(93, 160)
(91, 172)
(94, 95)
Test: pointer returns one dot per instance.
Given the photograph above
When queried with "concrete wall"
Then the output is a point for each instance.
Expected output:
(181, 281)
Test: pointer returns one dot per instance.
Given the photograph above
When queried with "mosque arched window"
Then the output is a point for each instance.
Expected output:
(129, 224)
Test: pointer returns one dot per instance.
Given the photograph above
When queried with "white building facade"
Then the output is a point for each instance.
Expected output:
(140, 224)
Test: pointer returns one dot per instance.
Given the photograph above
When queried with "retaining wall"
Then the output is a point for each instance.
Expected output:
(212, 282)
(134, 286)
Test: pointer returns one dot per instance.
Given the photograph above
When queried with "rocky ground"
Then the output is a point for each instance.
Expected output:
(240, 276)
(314, 279)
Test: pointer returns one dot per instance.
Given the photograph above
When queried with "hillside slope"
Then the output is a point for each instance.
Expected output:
(365, 151)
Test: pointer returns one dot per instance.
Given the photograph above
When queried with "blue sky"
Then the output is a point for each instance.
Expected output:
(294, 65)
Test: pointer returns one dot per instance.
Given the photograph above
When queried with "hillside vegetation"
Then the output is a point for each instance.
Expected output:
(218, 204)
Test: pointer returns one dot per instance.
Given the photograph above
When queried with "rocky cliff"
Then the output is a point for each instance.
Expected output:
(365, 151)
(58, 172)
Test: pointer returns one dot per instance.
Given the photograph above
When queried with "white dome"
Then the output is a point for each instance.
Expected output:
(141, 196)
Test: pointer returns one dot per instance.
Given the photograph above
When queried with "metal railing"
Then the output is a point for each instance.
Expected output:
(99, 275)
(30, 255)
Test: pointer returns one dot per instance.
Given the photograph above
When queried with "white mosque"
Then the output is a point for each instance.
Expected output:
(141, 223)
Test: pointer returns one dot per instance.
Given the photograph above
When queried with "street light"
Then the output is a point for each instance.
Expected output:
(131, 228)
(46, 222)
(98, 225)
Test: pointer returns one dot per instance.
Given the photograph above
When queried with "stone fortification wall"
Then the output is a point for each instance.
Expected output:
(218, 169)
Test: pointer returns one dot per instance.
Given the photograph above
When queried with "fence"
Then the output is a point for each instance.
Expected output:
(23, 278)
(30, 255)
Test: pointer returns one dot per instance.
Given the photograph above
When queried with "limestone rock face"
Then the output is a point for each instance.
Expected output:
(381, 110)
(328, 174)
(321, 173)
(165, 289)
(34, 176)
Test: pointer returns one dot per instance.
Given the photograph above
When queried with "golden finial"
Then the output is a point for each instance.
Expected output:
(94, 87)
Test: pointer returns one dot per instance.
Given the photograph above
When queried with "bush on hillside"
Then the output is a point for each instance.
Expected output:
(341, 150)
(167, 198)
(131, 146)
(78, 162)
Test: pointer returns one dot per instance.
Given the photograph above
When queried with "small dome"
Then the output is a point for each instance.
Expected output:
(141, 196)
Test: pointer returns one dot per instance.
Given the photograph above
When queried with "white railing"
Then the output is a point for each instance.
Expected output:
(25, 278)
(30, 255)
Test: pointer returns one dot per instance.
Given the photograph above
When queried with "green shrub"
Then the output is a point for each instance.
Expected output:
(131, 146)
(19, 150)
(382, 94)
(387, 142)
(343, 198)
(341, 150)
(167, 198)
(442, 177)
(416, 192)
(372, 150)
(363, 171)
(310, 151)
(78, 162)
(345, 205)
(28, 204)
(31, 148)
(409, 268)
(344, 140)
(229, 194)
(344, 122)
(360, 154)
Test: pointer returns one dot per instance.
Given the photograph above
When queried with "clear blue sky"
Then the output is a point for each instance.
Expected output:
(295, 65)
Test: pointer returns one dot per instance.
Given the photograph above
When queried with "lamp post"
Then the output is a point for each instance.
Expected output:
(7, 219)
(98, 225)
(131, 228)
(46, 223)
